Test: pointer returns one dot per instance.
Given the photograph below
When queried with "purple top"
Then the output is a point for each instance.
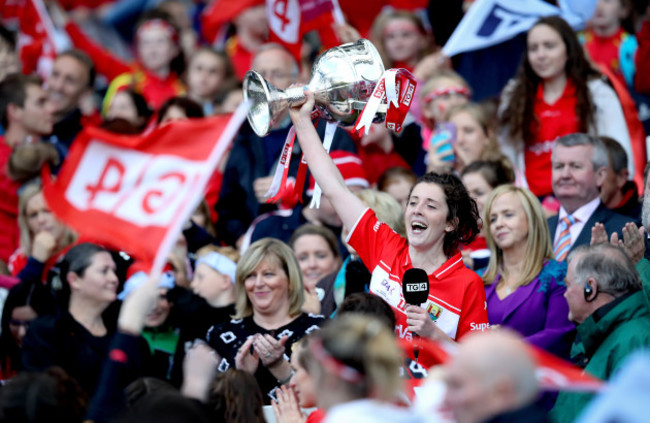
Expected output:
(538, 311)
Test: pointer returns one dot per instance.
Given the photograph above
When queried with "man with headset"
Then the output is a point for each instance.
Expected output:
(605, 298)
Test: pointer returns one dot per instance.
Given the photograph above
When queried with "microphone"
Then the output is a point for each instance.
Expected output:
(415, 288)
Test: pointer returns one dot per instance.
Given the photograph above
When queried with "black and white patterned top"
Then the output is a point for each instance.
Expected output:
(228, 337)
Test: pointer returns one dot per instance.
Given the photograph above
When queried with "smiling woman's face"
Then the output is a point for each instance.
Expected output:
(267, 288)
(99, 281)
(426, 216)
(315, 257)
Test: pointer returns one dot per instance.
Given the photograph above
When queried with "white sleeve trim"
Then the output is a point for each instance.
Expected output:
(347, 240)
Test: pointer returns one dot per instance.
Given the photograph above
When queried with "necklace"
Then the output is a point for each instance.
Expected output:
(508, 289)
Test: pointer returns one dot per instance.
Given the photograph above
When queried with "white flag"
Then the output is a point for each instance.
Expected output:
(583, 9)
(490, 22)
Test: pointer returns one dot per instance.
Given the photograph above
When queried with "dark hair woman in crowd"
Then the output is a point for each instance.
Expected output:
(235, 397)
(17, 315)
(439, 216)
(50, 396)
(78, 336)
(556, 92)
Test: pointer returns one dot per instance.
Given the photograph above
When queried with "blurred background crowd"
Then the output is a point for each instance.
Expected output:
(517, 183)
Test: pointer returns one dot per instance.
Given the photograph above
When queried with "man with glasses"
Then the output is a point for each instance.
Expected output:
(250, 166)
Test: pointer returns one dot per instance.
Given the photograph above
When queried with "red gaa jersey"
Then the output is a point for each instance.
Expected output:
(456, 294)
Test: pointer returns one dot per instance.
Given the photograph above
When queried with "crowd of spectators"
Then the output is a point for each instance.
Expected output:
(518, 184)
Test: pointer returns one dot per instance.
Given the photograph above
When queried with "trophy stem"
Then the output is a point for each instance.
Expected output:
(295, 96)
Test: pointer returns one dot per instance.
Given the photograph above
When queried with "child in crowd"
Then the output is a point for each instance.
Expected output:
(439, 94)
(443, 91)
(131, 106)
(397, 182)
(160, 332)
(607, 43)
(251, 29)
(210, 301)
(474, 139)
(400, 38)
(208, 73)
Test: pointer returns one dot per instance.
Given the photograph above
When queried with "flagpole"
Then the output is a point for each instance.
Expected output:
(337, 13)
(46, 20)
(216, 154)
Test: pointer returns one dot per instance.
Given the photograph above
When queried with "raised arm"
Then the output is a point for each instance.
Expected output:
(347, 205)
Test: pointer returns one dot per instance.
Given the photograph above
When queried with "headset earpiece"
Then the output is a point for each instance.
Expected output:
(588, 291)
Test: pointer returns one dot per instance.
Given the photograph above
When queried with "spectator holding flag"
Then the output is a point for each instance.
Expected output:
(251, 29)
(556, 92)
(155, 74)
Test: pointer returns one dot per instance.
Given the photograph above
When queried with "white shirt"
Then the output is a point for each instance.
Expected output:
(371, 411)
(581, 215)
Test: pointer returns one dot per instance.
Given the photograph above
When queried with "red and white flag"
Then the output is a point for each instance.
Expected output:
(290, 20)
(134, 193)
(556, 374)
(553, 373)
(36, 45)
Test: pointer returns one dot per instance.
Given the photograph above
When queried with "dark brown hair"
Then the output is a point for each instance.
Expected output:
(495, 172)
(463, 212)
(191, 108)
(321, 231)
(393, 175)
(13, 90)
(237, 397)
(519, 112)
(50, 396)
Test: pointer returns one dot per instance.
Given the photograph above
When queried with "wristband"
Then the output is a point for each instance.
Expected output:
(287, 379)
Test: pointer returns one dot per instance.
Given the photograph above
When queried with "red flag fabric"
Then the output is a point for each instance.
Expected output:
(290, 20)
(220, 12)
(135, 192)
(556, 374)
(9, 11)
(36, 45)
(553, 373)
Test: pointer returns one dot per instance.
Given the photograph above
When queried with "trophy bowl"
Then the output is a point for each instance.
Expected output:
(343, 79)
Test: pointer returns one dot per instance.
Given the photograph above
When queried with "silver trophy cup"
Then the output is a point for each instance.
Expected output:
(342, 81)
